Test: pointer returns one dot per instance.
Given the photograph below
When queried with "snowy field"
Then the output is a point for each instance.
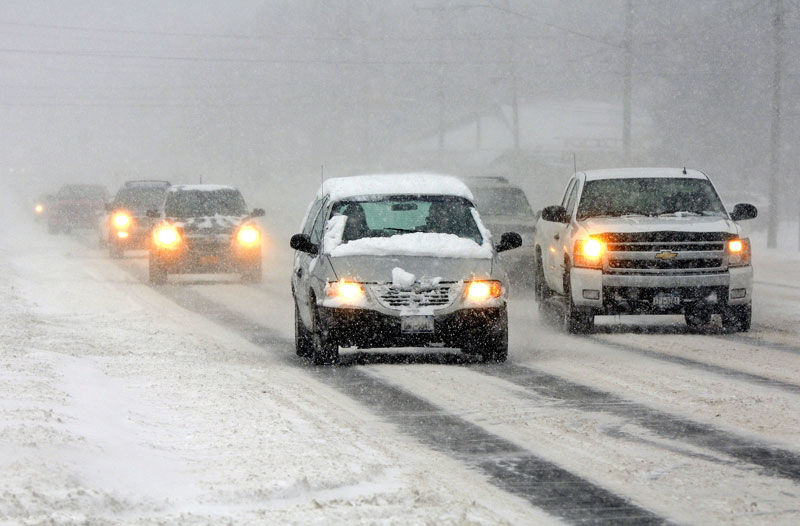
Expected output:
(124, 403)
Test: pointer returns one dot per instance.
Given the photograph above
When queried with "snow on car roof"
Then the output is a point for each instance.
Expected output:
(200, 187)
(629, 173)
(394, 184)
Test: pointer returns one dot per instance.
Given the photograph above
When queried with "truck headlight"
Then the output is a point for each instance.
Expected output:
(589, 253)
(738, 252)
(484, 290)
(348, 291)
(167, 236)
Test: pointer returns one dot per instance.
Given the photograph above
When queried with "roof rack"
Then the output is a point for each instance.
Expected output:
(147, 182)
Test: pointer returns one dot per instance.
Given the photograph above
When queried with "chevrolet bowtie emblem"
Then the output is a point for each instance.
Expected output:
(666, 254)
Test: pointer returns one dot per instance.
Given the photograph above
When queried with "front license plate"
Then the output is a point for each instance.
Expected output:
(416, 324)
(209, 260)
(664, 300)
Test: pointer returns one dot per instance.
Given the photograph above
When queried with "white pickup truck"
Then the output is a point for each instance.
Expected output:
(643, 241)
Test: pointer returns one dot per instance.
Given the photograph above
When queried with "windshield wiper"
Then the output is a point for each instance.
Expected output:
(679, 213)
(398, 229)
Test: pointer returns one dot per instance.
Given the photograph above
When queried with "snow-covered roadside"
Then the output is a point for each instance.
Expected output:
(116, 406)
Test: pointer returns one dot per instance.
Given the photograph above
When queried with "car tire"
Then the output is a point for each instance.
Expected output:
(115, 251)
(157, 271)
(252, 273)
(304, 344)
(575, 320)
(737, 318)
(325, 350)
(491, 344)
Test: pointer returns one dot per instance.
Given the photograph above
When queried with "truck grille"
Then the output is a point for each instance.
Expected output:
(395, 297)
(665, 252)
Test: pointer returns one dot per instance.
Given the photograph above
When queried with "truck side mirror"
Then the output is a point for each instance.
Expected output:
(743, 211)
(257, 212)
(154, 214)
(509, 241)
(302, 242)
(555, 214)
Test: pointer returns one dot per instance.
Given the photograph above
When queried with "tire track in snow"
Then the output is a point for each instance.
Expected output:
(758, 342)
(774, 460)
(763, 381)
(508, 466)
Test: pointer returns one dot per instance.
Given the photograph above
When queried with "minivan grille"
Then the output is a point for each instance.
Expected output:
(395, 297)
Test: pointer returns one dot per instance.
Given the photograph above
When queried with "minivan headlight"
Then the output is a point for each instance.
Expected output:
(348, 291)
(483, 290)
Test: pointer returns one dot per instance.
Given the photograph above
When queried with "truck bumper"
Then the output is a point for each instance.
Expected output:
(633, 293)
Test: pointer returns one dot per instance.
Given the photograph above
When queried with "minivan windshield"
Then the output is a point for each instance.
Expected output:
(200, 203)
(393, 215)
(649, 196)
(496, 201)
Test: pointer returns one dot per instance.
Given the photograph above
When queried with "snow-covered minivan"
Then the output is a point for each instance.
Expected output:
(397, 261)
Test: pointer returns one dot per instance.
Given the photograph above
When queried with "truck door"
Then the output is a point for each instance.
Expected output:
(554, 238)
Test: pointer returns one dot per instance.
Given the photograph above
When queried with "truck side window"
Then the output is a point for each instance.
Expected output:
(573, 196)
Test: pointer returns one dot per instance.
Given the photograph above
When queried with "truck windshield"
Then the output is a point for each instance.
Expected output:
(502, 202)
(201, 203)
(649, 196)
(393, 215)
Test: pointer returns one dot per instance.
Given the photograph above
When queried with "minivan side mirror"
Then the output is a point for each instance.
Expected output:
(302, 242)
(744, 211)
(154, 214)
(257, 212)
(555, 214)
(509, 241)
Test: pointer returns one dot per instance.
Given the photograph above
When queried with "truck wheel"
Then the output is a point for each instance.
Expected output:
(541, 291)
(576, 320)
(737, 318)
(697, 319)
(115, 251)
(325, 351)
(157, 271)
(304, 345)
(252, 273)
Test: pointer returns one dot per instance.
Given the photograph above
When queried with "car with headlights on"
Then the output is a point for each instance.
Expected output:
(644, 241)
(205, 228)
(127, 226)
(76, 206)
(398, 261)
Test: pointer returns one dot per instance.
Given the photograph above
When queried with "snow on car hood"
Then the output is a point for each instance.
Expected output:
(379, 269)
(415, 244)
(659, 224)
(217, 224)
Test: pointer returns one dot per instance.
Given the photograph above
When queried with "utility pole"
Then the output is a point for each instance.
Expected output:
(628, 81)
(442, 95)
(775, 130)
(514, 99)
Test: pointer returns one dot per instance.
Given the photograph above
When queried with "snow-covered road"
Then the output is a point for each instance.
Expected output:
(129, 404)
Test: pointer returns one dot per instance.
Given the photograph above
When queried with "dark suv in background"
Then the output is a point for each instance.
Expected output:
(76, 206)
(127, 225)
(205, 228)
